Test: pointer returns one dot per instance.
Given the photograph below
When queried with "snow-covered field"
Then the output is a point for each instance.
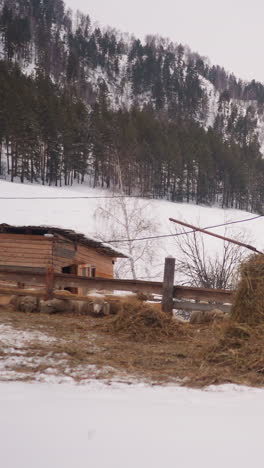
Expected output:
(95, 426)
(80, 215)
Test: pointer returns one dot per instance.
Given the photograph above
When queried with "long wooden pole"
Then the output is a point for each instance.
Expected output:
(195, 228)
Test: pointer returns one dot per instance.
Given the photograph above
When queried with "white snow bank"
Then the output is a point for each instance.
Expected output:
(94, 426)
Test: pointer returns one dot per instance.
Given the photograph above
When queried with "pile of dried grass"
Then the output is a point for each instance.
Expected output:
(140, 321)
(237, 355)
(248, 306)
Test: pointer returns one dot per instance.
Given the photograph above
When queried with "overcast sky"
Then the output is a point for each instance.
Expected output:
(229, 32)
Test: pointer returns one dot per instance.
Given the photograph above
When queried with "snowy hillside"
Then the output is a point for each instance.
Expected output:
(96, 61)
(81, 214)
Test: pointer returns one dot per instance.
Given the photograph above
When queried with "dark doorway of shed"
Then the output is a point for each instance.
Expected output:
(70, 270)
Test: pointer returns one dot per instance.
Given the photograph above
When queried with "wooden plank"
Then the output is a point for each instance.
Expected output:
(89, 255)
(28, 263)
(26, 243)
(68, 245)
(32, 275)
(203, 294)
(49, 282)
(64, 253)
(185, 305)
(62, 280)
(60, 295)
(23, 292)
(94, 260)
(31, 237)
(46, 241)
(213, 234)
(42, 293)
(168, 283)
(15, 269)
(103, 275)
(26, 255)
(25, 247)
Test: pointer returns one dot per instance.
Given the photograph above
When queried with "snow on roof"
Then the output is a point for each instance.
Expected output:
(69, 234)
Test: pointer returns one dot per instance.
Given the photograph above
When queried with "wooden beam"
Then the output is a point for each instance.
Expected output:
(168, 282)
(185, 305)
(64, 253)
(63, 280)
(23, 292)
(218, 236)
(34, 277)
(37, 278)
(42, 293)
(203, 294)
(25, 271)
(49, 282)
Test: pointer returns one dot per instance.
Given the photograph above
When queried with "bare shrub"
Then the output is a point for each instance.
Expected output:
(199, 268)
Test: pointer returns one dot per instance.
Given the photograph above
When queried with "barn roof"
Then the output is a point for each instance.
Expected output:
(69, 234)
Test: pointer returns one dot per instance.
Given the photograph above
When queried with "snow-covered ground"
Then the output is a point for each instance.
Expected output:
(80, 215)
(26, 355)
(14, 354)
(95, 426)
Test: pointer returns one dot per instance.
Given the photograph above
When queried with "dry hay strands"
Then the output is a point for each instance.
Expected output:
(248, 306)
(142, 322)
(238, 354)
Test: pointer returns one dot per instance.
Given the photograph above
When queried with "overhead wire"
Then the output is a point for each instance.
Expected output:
(71, 198)
(130, 196)
(183, 233)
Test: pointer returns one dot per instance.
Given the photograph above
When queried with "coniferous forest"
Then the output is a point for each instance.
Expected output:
(80, 102)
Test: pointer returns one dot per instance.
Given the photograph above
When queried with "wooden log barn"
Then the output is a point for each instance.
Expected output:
(35, 248)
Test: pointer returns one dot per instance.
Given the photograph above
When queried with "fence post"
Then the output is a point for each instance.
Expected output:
(49, 282)
(168, 284)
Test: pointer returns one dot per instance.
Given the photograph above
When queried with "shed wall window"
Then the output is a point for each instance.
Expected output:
(88, 271)
(85, 271)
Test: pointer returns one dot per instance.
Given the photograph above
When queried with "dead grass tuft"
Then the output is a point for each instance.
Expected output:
(139, 321)
(248, 306)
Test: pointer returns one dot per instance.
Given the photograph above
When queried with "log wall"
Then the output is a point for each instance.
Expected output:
(66, 253)
(36, 253)
(103, 263)
(25, 251)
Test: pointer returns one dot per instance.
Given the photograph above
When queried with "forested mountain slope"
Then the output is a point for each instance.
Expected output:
(78, 101)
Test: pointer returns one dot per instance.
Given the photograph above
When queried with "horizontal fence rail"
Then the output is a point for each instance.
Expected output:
(191, 306)
(46, 283)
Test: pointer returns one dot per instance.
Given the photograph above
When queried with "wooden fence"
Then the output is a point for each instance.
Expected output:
(46, 283)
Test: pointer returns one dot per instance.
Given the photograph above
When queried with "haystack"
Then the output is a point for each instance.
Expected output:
(140, 321)
(248, 306)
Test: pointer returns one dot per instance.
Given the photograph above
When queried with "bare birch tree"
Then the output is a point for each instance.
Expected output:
(124, 220)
